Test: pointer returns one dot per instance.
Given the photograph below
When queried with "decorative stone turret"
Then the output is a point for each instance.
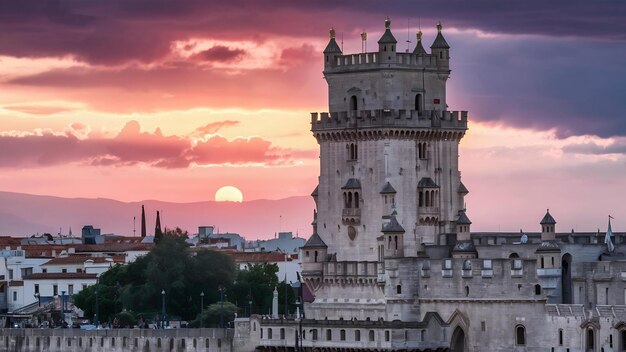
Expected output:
(440, 49)
(387, 45)
(393, 237)
(419, 48)
(549, 260)
(464, 247)
(332, 50)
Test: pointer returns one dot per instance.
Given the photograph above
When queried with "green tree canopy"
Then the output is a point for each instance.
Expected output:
(171, 267)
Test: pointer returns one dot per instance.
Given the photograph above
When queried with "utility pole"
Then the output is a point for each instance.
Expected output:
(201, 307)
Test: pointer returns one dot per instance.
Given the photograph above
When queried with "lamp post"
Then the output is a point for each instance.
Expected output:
(163, 309)
(201, 307)
(38, 297)
(97, 318)
(221, 289)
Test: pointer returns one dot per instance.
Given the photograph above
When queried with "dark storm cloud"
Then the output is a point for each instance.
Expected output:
(220, 53)
(117, 31)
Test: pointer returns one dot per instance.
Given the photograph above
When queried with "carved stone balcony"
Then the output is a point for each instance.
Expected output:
(351, 216)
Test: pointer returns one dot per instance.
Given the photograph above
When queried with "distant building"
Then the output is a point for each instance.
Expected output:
(285, 243)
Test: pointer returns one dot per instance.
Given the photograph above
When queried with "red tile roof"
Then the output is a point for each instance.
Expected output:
(14, 283)
(54, 276)
(258, 257)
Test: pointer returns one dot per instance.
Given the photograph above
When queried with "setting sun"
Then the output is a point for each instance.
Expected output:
(228, 194)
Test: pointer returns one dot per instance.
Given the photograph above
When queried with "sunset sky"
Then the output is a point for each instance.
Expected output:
(171, 100)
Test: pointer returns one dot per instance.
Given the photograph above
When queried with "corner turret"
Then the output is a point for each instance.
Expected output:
(464, 247)
(393, 236)
(440, 49)
(387, 45)
(332, 50)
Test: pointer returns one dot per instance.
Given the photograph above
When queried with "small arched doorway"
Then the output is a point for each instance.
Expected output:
(457, 344)
(418, 102)
(566, 279)
(353, 103)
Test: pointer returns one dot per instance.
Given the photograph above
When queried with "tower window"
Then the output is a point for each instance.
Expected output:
(537, 289)
(560, 337)
(520, 335)
(399, 289)
(418, 102)
(353, 103)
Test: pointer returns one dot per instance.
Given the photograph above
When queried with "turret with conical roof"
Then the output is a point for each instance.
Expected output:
(332, 50)
(440, 49)
(419, 48)
(547, 227)
(464, 247)
(387, 44)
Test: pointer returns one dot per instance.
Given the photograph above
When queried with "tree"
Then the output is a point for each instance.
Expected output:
(256, 284)
(211, 316)
(170, 266)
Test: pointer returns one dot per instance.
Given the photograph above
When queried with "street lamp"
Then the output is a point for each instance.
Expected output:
(38, 297)
(97, 318)
(221, 289)
(163, 309)
(201, 307)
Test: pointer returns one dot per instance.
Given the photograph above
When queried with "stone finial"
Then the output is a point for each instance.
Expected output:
(439, 26)
(363, 36)
(387, 23)
(419, 36)
(331, 32)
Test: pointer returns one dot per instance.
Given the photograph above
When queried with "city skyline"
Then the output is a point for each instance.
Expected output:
(109, 95)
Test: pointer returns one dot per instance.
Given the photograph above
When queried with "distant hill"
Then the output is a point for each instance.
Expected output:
(25, 214)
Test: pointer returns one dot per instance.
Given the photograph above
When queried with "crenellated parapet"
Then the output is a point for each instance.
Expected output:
(375, 124)
(372, 61)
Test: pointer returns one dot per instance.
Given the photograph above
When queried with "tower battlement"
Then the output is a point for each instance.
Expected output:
(373, 61)
(389, 118)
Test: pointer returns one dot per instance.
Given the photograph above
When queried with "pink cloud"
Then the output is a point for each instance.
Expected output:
(132, 146)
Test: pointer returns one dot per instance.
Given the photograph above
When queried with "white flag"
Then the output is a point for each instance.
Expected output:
(607, 239)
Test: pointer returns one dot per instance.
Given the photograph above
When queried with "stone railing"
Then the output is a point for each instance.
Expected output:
(145, 340)
(389, 119)
(373, 60)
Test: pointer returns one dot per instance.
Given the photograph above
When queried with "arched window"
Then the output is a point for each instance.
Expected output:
(590, 339)
(399, 289)
(537, 289)
(520, 335)
(357, 335)
(353, 103)
(542, 263)
(419, 149)
(372, 337)
(560, 337)
(418, 102)
(356, 199)
(349, 199)
(314, 334)
(342, 335)
(466, 291)
(269, 333)
(329, 334)
(421, 199)
(427, 200)
(395, 239)
(315, 257)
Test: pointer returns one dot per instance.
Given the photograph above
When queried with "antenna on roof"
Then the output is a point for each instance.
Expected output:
(408, 42)
(342, 42)
(134, 230)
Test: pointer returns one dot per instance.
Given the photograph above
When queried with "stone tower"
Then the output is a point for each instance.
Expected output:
(389, 178)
